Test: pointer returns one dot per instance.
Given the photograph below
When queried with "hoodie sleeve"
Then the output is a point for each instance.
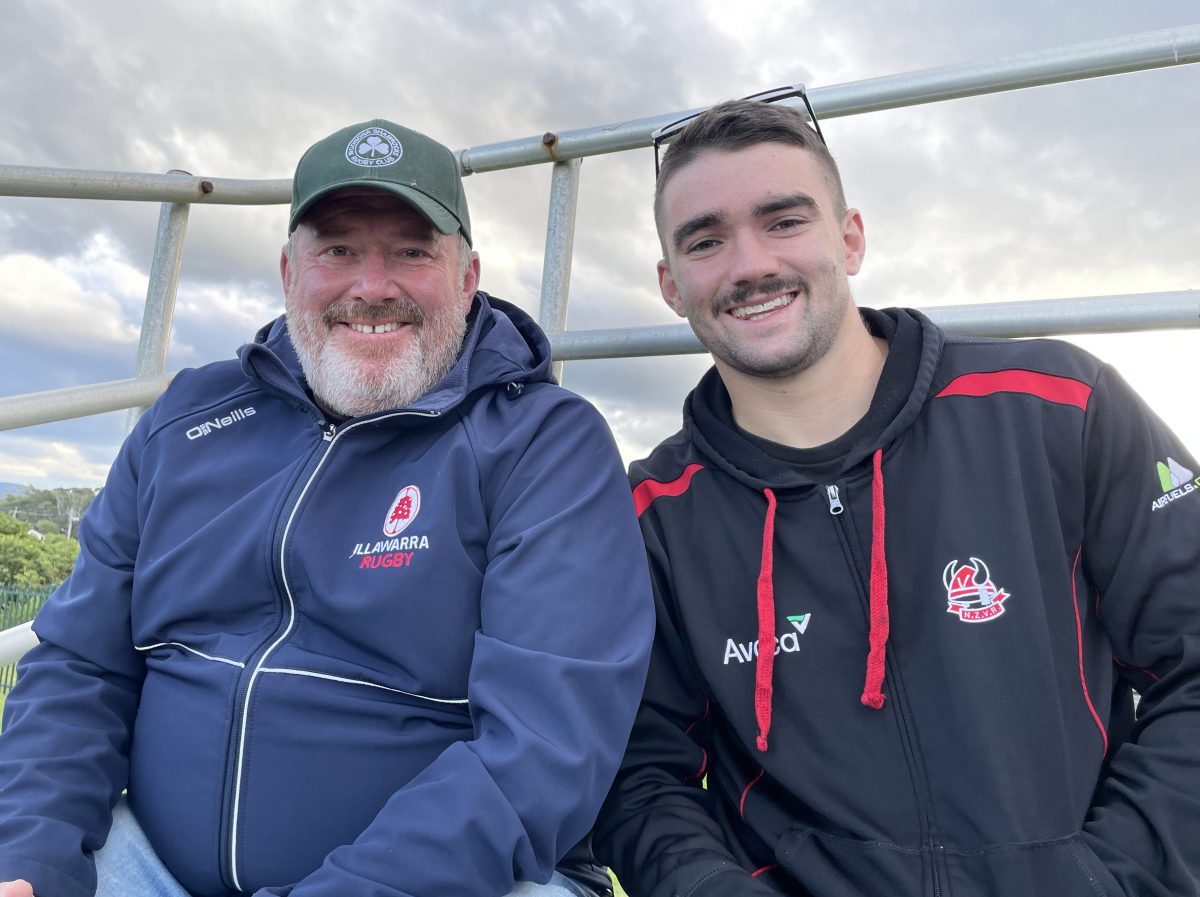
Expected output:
(558, 668)
(67, 723)
(659, 828)
(1142, 555)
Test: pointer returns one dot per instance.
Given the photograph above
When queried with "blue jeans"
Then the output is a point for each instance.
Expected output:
(127, 866)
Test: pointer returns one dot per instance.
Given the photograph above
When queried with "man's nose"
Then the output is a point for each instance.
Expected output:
(754, 259)
(376, 282)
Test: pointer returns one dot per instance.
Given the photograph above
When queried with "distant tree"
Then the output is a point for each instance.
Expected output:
(47, 527)
(28, 561)
(63, 507)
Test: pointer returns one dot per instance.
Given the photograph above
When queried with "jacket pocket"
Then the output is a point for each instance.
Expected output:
(833, 866)
(1065, 867)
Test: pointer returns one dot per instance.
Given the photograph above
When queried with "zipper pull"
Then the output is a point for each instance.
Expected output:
(328, 430)
(835, 503)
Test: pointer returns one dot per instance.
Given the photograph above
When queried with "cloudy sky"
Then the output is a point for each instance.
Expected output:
(1087, 188)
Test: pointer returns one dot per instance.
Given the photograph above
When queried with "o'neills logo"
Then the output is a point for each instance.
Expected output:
(971, 593)
(403, 511)
(220, 423)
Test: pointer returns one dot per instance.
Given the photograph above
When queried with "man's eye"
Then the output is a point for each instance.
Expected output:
(337, 250)
(702, 245)
(413, 254)
(789, 223)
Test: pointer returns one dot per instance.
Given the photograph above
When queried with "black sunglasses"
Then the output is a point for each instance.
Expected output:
(666, 132)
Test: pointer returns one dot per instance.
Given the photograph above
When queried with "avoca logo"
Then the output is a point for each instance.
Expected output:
(374, 147)
(788, 643)
(1176, 482)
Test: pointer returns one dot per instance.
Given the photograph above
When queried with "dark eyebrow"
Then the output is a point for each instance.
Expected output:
(698, 223)
(784, 203)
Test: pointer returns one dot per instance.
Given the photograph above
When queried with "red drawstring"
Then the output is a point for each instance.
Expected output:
(765, 666)
(872, 696)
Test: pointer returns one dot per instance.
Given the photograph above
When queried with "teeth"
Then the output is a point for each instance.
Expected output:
(378, 328)
(747, 310)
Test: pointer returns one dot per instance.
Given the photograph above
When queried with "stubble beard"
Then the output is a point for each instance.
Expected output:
(822, 322)
(368, 382)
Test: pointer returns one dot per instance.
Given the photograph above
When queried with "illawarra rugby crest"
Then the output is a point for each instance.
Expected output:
(403, 511)
(971, 593)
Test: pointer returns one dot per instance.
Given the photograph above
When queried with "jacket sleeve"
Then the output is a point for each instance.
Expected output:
(658, 829)
(1142, 555)
(558, 666)
(67, 723)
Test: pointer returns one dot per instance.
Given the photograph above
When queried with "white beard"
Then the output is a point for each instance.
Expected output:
(352, 385)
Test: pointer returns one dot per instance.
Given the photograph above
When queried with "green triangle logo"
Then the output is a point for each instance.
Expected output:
(1164, 477)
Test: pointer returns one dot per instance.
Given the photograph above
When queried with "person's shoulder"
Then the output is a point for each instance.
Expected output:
(1014, 358)
(671, 462)
(199, 389)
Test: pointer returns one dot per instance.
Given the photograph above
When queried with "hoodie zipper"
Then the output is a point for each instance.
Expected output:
(241, 709)
(915, 768)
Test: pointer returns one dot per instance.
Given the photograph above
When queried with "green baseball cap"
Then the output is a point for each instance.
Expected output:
(382, 155)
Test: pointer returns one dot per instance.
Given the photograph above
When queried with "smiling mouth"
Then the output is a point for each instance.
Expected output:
(747, 311)
(375, 328)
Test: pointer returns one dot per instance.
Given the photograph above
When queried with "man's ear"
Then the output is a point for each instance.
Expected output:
(470, 281)
(284, 264)
(669, 289)
(854, 239)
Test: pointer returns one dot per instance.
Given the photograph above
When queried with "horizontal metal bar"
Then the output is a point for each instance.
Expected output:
(75, 183)
(1038, 317)
(80, 401)
(1045, 317)
(15, 642)
(1135, 52)
(1111, 56)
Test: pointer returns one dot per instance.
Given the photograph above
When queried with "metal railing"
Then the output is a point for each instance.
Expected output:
(178, 191)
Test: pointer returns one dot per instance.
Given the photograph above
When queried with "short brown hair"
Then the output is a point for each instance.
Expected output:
(737, 124)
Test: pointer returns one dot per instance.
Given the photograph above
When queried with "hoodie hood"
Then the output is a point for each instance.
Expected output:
(914, 347)
(502, 346)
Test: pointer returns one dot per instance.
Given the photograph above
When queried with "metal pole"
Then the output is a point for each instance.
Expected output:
(1038, 317)
(560, 245)
(35, 408)
(1134, 52)
(160, 295)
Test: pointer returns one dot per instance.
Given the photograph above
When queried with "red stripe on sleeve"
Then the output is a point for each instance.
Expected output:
(648, 490)
(1063, 390)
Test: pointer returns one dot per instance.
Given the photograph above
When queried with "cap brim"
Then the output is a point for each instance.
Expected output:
(432, 210)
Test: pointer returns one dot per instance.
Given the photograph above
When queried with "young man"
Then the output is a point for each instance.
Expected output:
(362, 613)
(905, 583)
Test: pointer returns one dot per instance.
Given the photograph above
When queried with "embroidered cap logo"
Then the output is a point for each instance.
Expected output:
(403, 511)
(373, 147)
(971, 593)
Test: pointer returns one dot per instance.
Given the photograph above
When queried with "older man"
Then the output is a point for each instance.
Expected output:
(364, 612)
(905, 583)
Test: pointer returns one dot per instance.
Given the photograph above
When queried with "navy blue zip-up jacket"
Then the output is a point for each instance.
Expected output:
(910, 672)
(395, 656)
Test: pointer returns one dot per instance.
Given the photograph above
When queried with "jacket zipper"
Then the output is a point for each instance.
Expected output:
(241, 710)
(916, 769)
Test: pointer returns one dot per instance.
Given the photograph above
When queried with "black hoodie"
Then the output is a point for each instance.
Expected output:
(960, 595)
